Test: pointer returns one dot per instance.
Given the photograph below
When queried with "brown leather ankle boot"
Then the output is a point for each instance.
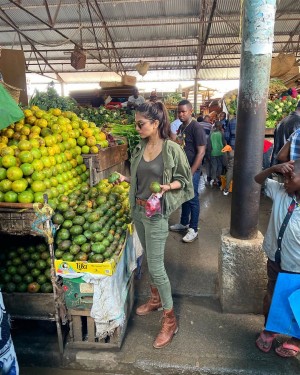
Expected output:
(153, 304)
(168, 330)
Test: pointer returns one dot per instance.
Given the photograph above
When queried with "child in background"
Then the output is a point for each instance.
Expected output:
(228, 161)
(281, 243)
(216, 142)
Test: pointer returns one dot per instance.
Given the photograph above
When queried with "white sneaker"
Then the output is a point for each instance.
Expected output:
(178, 227)
(225, 192)
(190, 236)
(211, 183)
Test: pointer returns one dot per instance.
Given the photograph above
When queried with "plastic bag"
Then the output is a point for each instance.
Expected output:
(10, 112)
(153, 205)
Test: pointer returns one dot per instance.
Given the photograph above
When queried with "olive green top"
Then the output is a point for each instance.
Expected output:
(175, 168)
(148, 172)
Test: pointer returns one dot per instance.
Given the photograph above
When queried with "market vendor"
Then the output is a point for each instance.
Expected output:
(135, 99)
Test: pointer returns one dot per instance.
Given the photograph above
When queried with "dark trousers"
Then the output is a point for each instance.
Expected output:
(190, 210)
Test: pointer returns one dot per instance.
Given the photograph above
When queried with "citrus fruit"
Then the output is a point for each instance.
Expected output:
(14, 173)
(25, 197)
(11, 197)
(9, 161)
(38, 186)
(25, 157)
(19, 186)
(27, 169)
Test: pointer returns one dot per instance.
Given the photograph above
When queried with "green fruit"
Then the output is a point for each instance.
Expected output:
(41, 264)
(95, 227)
(74, 249)
(80, 240)
(41, 279)
(46, 288)
(86, 248)
(10, 287)
(64, 245)
(76, 230)
(113, 177)
(93, 217)
(67, 257)
(82, 257)
(78, 220)
(97, 237)
(58, 253)
(57, 219)
(35, 272)
(97, 258)
(63, 234)
(69, 215)
(27, 278)
(155, 187)
(98, 248)
(88, 234)
(21, 287)
(67, 224)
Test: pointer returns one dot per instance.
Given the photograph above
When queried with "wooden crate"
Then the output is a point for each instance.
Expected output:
(108, 160)
(17, 219)
(82, 327)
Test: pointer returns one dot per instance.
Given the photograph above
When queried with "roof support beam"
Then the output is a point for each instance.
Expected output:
(10, 22)
(117, 58)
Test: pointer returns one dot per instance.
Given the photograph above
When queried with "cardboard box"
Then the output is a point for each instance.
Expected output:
(105, 85)
(128, 80)
(78, 293)
(105, 268)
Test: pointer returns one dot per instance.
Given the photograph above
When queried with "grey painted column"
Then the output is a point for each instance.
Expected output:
(256, 54)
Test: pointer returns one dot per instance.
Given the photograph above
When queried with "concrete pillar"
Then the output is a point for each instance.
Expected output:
(242, 279)
(241, 262)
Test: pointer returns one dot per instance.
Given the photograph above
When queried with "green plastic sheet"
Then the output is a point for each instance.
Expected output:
(10, 112)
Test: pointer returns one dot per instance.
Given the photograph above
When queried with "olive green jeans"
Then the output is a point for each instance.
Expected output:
(153, 233)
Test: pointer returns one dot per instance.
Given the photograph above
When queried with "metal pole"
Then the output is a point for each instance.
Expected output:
(258, 34)
(195, 95)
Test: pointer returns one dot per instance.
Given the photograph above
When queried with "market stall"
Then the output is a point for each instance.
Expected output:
(58, 208)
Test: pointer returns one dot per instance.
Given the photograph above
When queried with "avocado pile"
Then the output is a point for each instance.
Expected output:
(92, 223)
(25, 268)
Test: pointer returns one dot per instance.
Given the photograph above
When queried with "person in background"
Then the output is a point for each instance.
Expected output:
(229, 135)
(98, 100)
(135, 100)
(192, 138)
(200, 118)
(228, 160)
(157, 158)
(224, 121)
(215, 144)
(153, 97)
(175, 125)
(267, 152)
(284, 129)
(291, 149)
(207, 126)
(281, 248)
(8, 359)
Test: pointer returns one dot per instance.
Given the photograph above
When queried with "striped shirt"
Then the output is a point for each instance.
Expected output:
(294, 139)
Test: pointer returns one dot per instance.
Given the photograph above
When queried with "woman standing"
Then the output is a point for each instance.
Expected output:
(157, 158)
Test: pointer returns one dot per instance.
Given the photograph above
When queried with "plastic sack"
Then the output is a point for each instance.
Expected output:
(10, 112)
(153, 205)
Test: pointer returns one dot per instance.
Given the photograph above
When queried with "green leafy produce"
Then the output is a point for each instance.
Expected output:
(51, 99)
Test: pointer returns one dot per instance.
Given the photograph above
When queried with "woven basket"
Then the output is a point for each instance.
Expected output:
(14, 91)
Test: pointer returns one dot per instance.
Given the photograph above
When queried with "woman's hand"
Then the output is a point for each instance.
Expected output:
(164, 189)
(121, 179)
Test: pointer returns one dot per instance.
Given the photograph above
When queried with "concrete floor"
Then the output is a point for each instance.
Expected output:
(208, 342)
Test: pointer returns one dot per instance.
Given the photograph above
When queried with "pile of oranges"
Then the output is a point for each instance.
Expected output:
(42, 154)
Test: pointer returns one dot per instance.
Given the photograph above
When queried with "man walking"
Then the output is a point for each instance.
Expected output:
(192, 138)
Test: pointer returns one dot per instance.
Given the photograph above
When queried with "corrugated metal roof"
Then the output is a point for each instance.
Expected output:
(117, 34)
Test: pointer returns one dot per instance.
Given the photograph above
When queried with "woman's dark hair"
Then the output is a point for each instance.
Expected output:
(157, 111)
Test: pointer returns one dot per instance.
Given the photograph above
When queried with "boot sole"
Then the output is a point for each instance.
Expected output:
(163, 346)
